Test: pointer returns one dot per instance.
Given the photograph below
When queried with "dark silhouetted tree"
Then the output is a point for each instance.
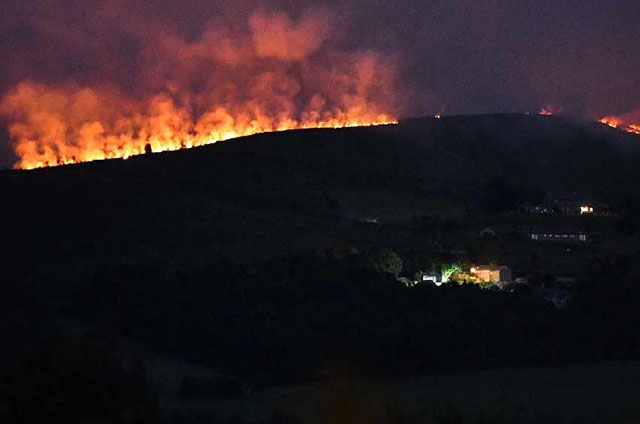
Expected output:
(388, 262)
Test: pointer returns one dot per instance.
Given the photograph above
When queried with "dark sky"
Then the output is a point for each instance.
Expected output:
(456, 56)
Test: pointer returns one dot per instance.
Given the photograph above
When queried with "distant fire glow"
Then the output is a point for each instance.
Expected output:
(275, 74)
(549, 110)
(621, 124)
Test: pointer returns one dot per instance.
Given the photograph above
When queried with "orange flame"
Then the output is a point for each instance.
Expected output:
(282, 74)
(620, 123)
(611, 121)
(549, 110)
(64, 126)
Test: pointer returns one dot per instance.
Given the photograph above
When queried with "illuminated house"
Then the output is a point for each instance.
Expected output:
(558, 234)
(575, 203)
(492, 273)
(430, 277)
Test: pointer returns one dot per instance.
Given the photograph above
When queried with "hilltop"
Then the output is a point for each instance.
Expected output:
(545, 151)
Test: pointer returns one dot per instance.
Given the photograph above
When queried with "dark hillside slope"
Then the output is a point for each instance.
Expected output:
(254, 197)
(249, 198)
(211, 255)
(548, 151)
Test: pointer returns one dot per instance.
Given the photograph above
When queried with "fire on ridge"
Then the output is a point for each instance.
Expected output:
(276, 71)
(629, 122)
(53, 127)
(617, 122)
(126, 147)
(57, 126)
(133, 147)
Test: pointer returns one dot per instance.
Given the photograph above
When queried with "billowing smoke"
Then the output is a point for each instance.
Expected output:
(276, 35)
(117, 74)
(273, 72)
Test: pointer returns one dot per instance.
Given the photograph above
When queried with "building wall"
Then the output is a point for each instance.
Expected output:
(494, 275)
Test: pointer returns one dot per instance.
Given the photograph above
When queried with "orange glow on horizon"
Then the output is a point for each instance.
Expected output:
(126, 148)
(545, 112)
(52, 126)
(616, 122)
(278, 72)
(550, 110)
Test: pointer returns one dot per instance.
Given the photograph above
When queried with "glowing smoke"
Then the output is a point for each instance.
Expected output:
(277, 72)
(629, 122)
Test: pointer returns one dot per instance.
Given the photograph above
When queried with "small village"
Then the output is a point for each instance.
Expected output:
(550, 230)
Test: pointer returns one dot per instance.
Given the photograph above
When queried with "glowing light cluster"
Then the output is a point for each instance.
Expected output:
(586, 209)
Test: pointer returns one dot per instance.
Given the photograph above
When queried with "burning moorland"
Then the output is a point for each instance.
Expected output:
(112, 81)
(275, 73)
(629, 122)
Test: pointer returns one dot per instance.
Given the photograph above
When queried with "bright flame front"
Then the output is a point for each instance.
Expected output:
(51, 126)
(620, 123)
(278, 71)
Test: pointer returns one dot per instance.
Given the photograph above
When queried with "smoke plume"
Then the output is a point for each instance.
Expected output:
(100, 78)
(274, 72)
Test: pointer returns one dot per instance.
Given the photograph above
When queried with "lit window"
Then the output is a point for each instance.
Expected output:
(586, 209)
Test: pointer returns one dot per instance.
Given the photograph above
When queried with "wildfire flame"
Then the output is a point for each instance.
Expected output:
(620, 123)
(275, 74)
(549, 110)
(58, 127)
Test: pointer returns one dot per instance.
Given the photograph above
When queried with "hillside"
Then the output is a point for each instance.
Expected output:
(549, 152)
(253, 197)
(261, 260)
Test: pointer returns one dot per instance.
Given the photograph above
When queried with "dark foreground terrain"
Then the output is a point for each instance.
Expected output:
(218, 272)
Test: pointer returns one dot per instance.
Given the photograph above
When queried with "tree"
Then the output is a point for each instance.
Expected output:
(448, 270)
(388, 262)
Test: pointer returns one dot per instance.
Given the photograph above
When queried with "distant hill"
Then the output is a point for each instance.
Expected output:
(547, 151)
(260, 260)
(285, 192)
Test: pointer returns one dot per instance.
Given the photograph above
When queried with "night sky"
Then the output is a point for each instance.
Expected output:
(578, 57)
